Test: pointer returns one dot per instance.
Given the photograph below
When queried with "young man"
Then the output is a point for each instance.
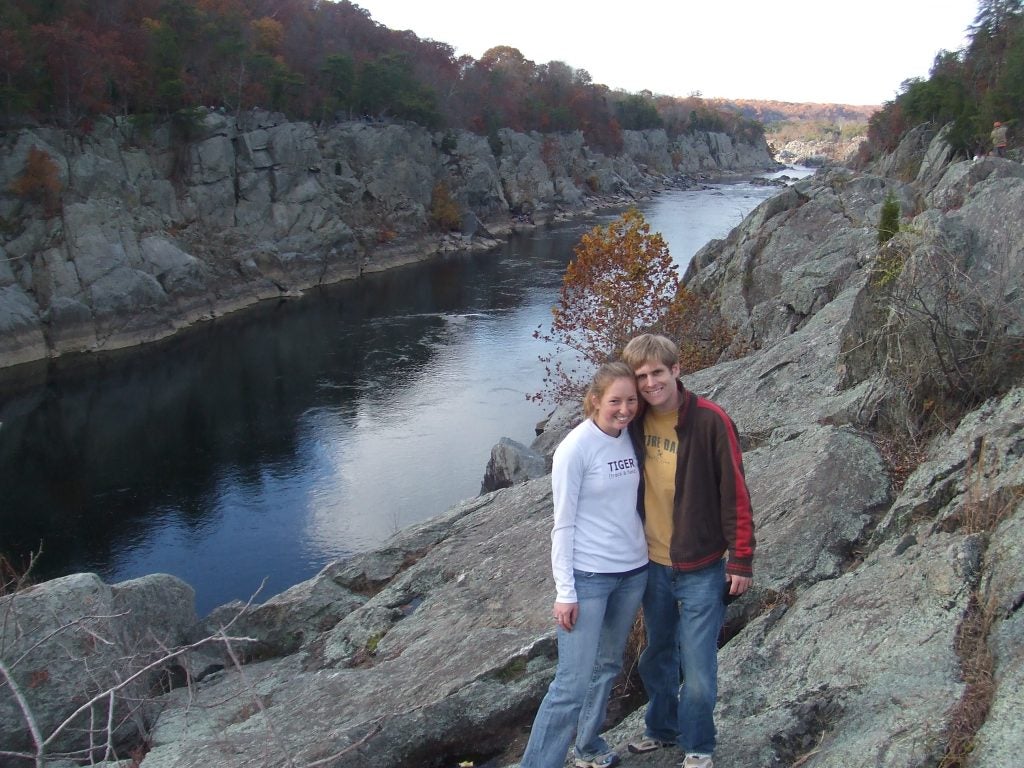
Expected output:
(700, 540)
(998, 137)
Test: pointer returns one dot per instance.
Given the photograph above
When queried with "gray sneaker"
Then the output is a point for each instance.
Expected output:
(697, 760)
(607, 760)
(648, 744)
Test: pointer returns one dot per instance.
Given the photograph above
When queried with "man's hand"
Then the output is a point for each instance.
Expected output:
(738, 584)
(565, 615)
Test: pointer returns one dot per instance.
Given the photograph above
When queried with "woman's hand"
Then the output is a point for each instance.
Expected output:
(565, 615)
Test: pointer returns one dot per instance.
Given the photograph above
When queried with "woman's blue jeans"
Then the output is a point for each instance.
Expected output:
(589, 659)
(683, 614)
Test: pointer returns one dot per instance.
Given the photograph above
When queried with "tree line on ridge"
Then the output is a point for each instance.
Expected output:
(66, 62)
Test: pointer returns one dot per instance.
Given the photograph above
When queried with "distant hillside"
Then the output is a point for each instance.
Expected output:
(805, 134)
(769, 112)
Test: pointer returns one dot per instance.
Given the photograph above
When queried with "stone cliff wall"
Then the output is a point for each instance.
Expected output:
(151, 234)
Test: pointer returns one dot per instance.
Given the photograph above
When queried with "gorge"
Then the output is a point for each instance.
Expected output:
(879, 594)
(268, 443)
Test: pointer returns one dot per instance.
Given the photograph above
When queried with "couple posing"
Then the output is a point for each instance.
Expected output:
(654, 511)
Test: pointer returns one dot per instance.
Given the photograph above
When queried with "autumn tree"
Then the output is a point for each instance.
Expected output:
(621, 282)
(87, 70)
(968, 89)
(39, 182)
(444, 211)
(70, 60)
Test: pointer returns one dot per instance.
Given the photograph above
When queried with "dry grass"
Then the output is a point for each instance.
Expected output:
(986, 505)
(983, 510)
(628, 692)
(978, 668)
(14, 578)
(901, 455)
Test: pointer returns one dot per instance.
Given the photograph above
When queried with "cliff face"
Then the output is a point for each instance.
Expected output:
(150, 235)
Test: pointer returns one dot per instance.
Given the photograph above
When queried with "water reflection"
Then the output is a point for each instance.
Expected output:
(265, 445)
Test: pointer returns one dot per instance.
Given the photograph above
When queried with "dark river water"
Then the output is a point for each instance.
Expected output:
(258, 448)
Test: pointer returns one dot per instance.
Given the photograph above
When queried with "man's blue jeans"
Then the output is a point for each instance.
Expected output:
(589, 659)
(683, 613)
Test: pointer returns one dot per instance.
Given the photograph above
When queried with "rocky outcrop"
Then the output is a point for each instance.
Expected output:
(815, 153)
(875, 601)
(66, 642)
(153, 232)
(512, 462)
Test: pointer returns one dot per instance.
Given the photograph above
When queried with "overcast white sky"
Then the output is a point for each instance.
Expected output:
(792, 50)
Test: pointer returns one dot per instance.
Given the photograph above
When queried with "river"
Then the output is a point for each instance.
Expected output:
(256, 449)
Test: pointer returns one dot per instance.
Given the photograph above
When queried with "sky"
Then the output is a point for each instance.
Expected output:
(795, 50)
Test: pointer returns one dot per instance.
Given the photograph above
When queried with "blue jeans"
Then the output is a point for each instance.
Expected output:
(589, 659)
(683, 613)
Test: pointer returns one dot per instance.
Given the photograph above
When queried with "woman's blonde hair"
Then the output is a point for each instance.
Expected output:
(605, 375)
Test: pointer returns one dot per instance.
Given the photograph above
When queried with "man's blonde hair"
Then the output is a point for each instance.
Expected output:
(650, 347)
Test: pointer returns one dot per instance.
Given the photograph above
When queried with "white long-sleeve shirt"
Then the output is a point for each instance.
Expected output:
(594, 480)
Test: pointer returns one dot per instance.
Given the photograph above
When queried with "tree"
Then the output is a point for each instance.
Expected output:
(889, 221)
(388, 86)
(39, 182)
(86, 67)
(167, 87)
(444, 211)
(338, 77)
(12, 65)
(638, 112)
(621, 283)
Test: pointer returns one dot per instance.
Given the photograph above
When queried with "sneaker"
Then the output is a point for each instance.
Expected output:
(697, 760)
(607, 760)
(648, 744)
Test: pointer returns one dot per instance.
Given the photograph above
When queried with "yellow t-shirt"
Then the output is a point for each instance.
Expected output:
(659, 482)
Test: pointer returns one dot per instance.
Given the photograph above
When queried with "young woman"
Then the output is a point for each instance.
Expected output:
(599, 561)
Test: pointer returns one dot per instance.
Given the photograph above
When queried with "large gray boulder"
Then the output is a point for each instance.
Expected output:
(809, 520)
(794, 253)
(66, 643)
(512, 462)
(941, 311)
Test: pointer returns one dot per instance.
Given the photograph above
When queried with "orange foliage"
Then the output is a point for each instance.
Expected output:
(695, 324)
(269, 34)
(621, 283)
(39, 182)
(444, 211)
